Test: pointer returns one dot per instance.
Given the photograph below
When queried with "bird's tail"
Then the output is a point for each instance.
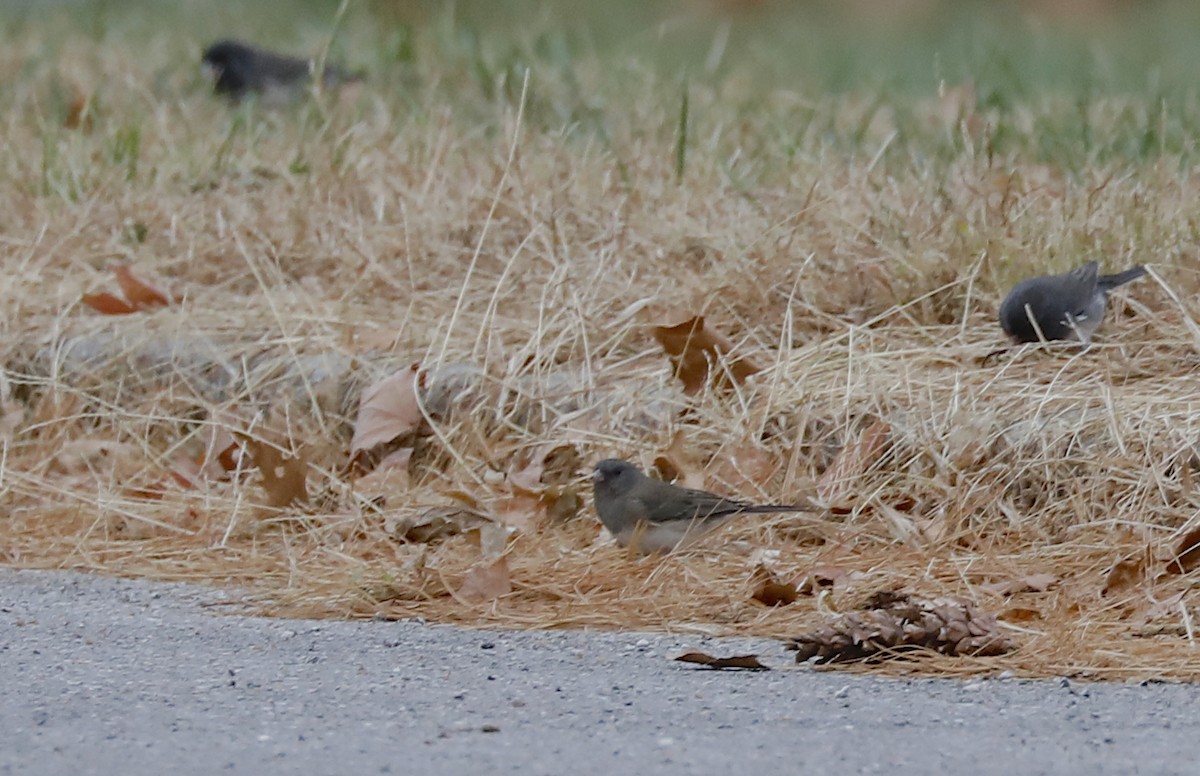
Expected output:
(769, 508)
(1121, 278)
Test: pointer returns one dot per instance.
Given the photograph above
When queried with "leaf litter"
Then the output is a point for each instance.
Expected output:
(811, 361)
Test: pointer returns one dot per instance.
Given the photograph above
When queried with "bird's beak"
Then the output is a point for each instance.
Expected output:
(210, 71)
(597, 475)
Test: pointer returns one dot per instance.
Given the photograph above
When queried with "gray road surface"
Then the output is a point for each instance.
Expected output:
(108, 676)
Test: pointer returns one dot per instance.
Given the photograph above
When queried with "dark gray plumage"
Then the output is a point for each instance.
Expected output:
(240, 70)
(1061, 307)
(656, 516)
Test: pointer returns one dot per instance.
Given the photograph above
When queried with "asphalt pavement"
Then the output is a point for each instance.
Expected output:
(114, 676)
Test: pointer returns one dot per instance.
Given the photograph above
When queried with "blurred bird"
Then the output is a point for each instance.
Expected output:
(1061, 307)
(239, 70)
(655, 516)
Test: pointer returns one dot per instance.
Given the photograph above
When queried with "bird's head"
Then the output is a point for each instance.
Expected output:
(225, 62)
(614, 474)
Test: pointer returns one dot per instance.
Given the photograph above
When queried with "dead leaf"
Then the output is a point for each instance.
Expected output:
(550, 464)
(561, 504)
(139, 294)
(697, 353)
(388, 478)
(743, 468)
(677, 466)
(820, 577)
(521, 511)
(388, 410)
(183, 473)
(769, 590)
(1030, 583)
(486, 581)
(527, 478)
(1186, 557)
(1020, 614)
(1168, 607)
(284, 475)
(142, 294)
(79, 113)
(743, 662)
(492, 539)
(435, 523)
(1125, 574)
(106, 303)
(222, 453)
(854, 460)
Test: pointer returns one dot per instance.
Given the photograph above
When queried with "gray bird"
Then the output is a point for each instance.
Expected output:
(239, 70)
(655, 516)
(1061, 307)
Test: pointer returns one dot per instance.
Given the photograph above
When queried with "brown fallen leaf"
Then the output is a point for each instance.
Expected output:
(284, 475)
(526, 511)
(486, 581)
(388, 410)
(744, 468)
(542, 485)
(1030, 583)
(1020, 614)
(775, 593)
(675, 465)
(79, 113)
(527, 478)
(562, 504)
(1126, 574)
(521, 511)
(183, 473)
(697, 354)
(820, 577)
(222, 454)
(1186, 556)
(436, 523)
(854, 460)
(1169, 608)
(388, 478)
(549, 464)
(743, 662)
(108, 304)
(142, 294)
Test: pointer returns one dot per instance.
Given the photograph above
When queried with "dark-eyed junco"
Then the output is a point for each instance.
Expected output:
(655, 516)
(1061, 307)
(239, 70)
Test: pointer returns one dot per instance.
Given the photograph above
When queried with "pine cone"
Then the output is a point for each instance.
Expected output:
(893, 622)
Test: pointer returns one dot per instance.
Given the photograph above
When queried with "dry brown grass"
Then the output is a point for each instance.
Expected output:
(358, 234)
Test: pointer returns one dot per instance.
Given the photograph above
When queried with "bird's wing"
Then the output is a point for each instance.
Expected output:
(661, 502)
(1078, 289)
(700, 504)
(1085, 277)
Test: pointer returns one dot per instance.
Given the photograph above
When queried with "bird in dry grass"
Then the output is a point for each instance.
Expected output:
(655, 516)
(239, 70)
(1061, 307)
